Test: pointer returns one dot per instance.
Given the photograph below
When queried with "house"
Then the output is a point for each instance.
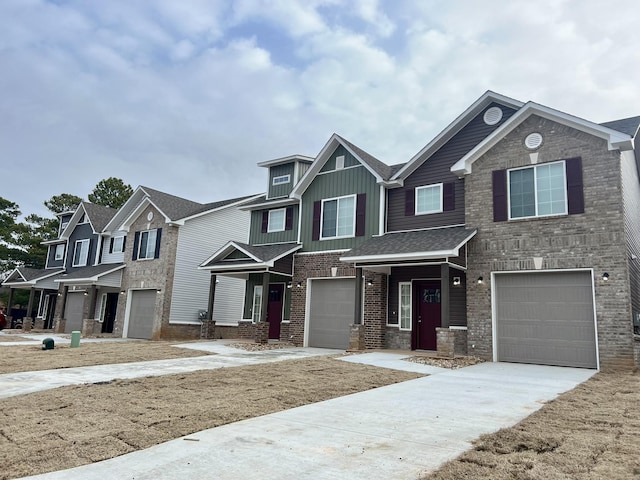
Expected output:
(265, 262)
(165, 238)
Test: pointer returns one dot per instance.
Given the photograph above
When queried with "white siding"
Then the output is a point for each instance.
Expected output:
(112, 279)
(112, 257)
(48, 283)
(197, 240)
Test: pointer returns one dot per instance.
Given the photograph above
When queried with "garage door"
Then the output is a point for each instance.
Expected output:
(142, 314)
(546, 318)
(331, 313)
(73, 312)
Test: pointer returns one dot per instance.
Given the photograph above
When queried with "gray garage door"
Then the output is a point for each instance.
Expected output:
(331, 313)
(73, 312)
(142, 314)
(546, 318)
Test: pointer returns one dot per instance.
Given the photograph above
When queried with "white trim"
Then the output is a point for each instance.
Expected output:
(91, 280)
(269, 203)
(381, 217)
(284, 220)
(253, 303)
(155, 241)
(494, 317)
(55, 253)
(535, 190)
(342, 169)
(114, 243)
(353, 223)
(425, 187)
(281, 179)
(101, 311)
(86, 257)
(400, 285)
(283, 160)
(322, 252)
(423, 229)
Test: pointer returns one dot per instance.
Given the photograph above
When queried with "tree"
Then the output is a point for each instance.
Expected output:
(65, 202)
(111, 192)
(11, 255)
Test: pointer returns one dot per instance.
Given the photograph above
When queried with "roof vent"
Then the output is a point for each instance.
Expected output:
(533, 141)
(493, 115)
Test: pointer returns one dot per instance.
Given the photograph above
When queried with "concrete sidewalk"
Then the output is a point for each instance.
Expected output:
(396, 432)
(58, 338)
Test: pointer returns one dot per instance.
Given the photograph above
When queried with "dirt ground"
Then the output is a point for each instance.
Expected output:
(591, 432)
(13, 338)
(76, 425)
(29, 358)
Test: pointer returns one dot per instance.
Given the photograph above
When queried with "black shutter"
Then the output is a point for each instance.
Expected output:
(265, 221)
(111, 245)
(124, 243)
(449, 196)
(500, 213)
(361, 211)
(575, 194)
(136, 242)
(410, 202)
(158, 237)
(317, 211)
(288, 223)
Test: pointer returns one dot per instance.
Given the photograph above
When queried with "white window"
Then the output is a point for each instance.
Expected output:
(44, 305)
(429, 199)
(257, 303)
(117, 245)
(338, 217)
(103, 307)
(276, 220)
(404, 305)
(63, 225)
(81, 253)
(281, 179)
(59, 252)
(538, 191)
(147, 247)
(340, 162)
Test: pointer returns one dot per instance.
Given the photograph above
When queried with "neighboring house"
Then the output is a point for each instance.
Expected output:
(265, 263)
(162, 294)
(88, 288)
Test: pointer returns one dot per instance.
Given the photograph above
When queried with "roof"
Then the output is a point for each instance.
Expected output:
(382, 169)
(413, 245)
(626, 125)
(99, 215)
(287, 159)
(89, 274)
(25, 276)
(260, 255)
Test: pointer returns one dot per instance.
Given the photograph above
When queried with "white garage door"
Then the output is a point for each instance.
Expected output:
(546, 318)
(331, 313)
(142, 314)
(73, 311)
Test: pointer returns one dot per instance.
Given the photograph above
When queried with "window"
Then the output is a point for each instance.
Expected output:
(340, 162)
(59, 255)
(257, 303)
(81, 253)
(538, 191)
(404, 305)
(276, 220)
(116, 245)
(63, 225)
(103, 307)
(281, 179)
(338, 217)
(147, 247)
(83, 219)
(429, 199)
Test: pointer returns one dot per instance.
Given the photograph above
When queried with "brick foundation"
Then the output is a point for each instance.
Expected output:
(262, 332)
(208, 329)
(357, 337)
(451, 342)
(246, 329)
(27, 324)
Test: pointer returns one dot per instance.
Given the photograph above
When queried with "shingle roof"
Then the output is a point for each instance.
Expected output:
(89, 272)
(31, 274)
(221, 203)
(626, 125)
(423, 241)
(98, 215)
(382, 169)
(265, 253)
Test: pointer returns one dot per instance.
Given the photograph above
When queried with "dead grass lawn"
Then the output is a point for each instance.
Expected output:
(12, 338)
(23, 358)
(76, 425)
(591, 432)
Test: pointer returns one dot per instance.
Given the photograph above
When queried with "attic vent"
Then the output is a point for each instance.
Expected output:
(493, 116)
(533, 141)
(340, 162)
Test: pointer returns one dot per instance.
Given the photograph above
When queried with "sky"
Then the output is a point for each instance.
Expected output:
(188, 96)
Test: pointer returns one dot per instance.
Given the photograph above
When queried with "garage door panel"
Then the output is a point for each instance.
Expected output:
(142, 314)
(332, 305)
(546, 318)
(73, 312)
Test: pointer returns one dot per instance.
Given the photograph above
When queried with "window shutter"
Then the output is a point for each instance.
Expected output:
(410, 202)
(265, 221)
(158, 237)
(111, 245)
(136, 242)
(500, 213)
(317, 211)
(288, 223)
(575, 194)
(449, 196)
(361, 211)
(124, 243)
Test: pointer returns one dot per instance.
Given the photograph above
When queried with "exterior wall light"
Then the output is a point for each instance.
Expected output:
(605, 276)
(456, 281)
(299, 284)
(289, 285)
(480, 279)
(122, 292)
(369, 282)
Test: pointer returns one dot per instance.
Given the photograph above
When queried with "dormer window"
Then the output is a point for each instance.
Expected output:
(59, 255)
(63, 226)
(83, 219)
(281, 179)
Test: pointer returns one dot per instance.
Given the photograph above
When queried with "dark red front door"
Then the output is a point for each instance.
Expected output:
(274, 310)
(427, 314)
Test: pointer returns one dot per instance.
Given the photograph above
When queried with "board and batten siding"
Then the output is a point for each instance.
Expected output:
(282, 189)
(256, 279)
(257, 237)
(437, 169)
(631, 208)
(112, 257)
(198, 238)
(338, 183)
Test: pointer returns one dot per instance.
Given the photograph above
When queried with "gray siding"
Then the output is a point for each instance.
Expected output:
(336, 184)
(631, 202)
(302, 169)
(113, 257)
(437, 169)
(258, 238)
(81, 232)
(284, 189)
(51, 261)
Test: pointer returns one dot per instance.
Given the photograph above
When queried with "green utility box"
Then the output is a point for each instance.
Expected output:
(47, 344)
(75, 338)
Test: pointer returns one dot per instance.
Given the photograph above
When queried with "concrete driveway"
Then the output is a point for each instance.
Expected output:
(394, 432)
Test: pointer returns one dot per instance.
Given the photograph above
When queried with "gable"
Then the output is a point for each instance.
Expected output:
(348, 160)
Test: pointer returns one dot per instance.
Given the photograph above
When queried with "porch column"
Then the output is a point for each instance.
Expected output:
(10, 301)
(88, 320)
(265, 297)
(445, 284)
(357, 319)
(356, 332)
(27, 322)
(208, 327)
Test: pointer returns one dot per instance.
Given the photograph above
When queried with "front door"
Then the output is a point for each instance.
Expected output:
(427, 316)
(274, 310)
(110, 313)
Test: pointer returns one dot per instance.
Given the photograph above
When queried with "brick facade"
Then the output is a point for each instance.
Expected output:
(593, 240)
